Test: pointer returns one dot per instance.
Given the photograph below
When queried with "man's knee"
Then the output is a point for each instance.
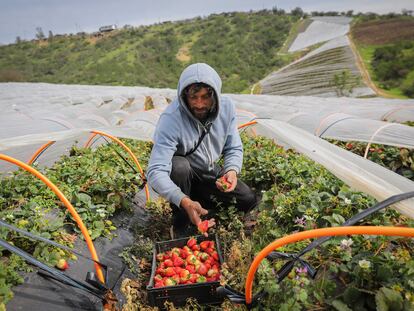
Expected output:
(248, 200)
(180, 168)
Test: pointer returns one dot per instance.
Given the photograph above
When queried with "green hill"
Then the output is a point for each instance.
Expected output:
(241, 46)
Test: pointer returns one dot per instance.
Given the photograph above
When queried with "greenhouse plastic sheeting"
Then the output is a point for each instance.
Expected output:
(29, 120)
(314, 73)
(321, 29)
(357, 172)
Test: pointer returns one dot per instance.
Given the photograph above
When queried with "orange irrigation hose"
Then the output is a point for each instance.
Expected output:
(39, 151)
(246, 124)
(90, 139)
(134, 158)
(68, 205)
(371, 230)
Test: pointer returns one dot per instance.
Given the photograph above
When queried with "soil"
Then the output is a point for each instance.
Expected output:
(380, 32)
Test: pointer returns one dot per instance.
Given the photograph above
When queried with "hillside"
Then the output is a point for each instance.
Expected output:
(329, 70)
(241, 46)
(386, 46)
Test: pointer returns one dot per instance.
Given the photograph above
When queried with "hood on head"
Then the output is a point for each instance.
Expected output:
(197, 73)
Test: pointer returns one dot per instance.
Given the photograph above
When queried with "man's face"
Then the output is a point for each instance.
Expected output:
(200, 103)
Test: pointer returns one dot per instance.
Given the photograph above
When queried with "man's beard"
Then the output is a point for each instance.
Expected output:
(200, 114)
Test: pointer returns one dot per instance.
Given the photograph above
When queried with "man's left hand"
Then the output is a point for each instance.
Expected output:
(231, 178)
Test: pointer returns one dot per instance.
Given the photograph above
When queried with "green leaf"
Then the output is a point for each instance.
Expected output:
(340, 306)
(388, 300)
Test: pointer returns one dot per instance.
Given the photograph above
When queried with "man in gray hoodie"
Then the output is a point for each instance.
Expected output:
(193, 132)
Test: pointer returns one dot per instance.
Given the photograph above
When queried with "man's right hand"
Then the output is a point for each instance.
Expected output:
(194, 211)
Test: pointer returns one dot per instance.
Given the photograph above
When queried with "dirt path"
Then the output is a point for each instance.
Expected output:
(364, 72)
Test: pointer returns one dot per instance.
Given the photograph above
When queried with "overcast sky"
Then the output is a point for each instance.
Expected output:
(21, 17)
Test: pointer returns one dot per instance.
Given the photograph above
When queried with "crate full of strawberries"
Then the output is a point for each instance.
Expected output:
(185, 268)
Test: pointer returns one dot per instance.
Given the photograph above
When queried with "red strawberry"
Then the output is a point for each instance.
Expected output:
(202, 269)
(203, 226)
(204, 256)
(191, 268)
(212, 245)
(224, 183)
(157, 278)
(204, 245)
(62, 264)
(195, 248)
(191, 259)
(159, 284)
(191, 242)
(169, 271)
(209, 250)
(168, 263)
(185, 275)
(193, 277)
(178, 262)
(159, 271)
(215, 256)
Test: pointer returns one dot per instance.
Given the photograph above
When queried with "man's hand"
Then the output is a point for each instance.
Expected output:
(227, 182)
(194, 211)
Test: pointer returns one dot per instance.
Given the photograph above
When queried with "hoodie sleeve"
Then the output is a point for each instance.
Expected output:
(233, 148)
(160, 163)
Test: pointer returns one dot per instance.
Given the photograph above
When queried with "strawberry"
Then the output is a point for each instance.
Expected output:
(191, 259)
(169, 271)
(168, 263)
(212, 245)
(62, 264)
(191, 268)
(215, 256)
(224, 183)
(160, 271)
(157, 278)
(202, 269)
(193, 277)
(178, 262)
(169, 282)
(176, 279)
(160, 256)
(159, 284)
(204, 256)
(195, 248)
(178, 270)
(212, 272)
(176, 251)
(204, 245)
(201, 279)
(185, 275)
(203, 226)
(191, 242)
(209, 250)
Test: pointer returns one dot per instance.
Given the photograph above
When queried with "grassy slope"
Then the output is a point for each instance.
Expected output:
(382, 32)
(241, 46)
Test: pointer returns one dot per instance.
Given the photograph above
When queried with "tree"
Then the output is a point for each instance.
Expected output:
(18, 40)
(39, 33)
(344, 83)
(350, 13)
(297, 12)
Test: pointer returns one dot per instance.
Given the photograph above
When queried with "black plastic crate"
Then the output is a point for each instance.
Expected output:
(204, 293)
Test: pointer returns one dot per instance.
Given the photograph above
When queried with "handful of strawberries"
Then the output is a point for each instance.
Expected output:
(193, 263)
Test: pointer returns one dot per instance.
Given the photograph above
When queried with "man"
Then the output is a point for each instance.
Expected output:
(193, 132)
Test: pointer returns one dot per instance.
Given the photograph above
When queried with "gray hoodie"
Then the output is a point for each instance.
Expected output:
(178, 131)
